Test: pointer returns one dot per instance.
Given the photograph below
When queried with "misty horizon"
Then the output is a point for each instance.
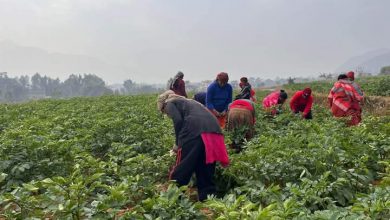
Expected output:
(149, 41)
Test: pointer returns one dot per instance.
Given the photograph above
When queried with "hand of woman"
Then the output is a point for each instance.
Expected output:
(216, 113)
(175, 148)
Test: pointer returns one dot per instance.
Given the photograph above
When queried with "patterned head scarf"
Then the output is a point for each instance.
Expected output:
(351, 75)
(223, 77)
(179, 75)
(307, 91)
(244, 80)
(166, 96)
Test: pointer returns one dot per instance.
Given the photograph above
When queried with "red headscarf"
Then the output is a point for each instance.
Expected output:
(307, 91)
(351, 75)
(223, 77)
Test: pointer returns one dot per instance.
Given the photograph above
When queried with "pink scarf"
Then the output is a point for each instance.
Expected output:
(215, 148)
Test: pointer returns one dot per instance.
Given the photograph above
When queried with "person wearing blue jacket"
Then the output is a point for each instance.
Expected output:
(218, 97)
(200, 97)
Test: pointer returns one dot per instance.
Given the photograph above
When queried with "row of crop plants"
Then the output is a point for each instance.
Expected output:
(108, 157)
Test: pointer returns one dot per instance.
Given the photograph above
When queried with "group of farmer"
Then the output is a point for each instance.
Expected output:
(198, 122)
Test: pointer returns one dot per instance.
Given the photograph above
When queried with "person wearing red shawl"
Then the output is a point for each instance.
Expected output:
(178, 85)
(344, 100)
(242, 118)
(302, 101)
(273, 102)
(199, 142)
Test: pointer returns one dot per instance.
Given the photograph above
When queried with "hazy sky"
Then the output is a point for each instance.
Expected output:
(150, 41)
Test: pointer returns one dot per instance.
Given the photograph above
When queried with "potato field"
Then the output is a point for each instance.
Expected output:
(108, 158)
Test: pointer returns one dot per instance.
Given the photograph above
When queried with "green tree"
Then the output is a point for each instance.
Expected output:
(129, 86)
(385, 70)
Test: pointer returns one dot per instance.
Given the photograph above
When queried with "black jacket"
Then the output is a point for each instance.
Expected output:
(245, 92)
(190, 119)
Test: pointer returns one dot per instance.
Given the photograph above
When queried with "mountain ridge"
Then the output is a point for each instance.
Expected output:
(370, 62)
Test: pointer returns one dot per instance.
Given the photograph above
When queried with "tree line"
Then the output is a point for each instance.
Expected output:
(23, 88)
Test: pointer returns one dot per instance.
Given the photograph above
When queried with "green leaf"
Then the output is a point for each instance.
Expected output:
(60, 207)
(302, 173)
(148, 216)
(95, 177)
(30, 187)
(3, 176)
(234, 214)
(47, 181)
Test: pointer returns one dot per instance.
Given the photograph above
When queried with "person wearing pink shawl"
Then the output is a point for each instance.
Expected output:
(274, 101)
(199, 139)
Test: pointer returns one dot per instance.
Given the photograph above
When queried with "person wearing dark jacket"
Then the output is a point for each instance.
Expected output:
(246, 88)
(200, 97)
(178, 85)
(199, 139)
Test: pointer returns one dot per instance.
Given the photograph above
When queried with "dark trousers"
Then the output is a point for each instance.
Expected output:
(191, 157)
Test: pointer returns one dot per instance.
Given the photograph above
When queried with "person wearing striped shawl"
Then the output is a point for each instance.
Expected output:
(344, 100)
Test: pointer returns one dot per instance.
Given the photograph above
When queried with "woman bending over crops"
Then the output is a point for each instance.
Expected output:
(241, 119)
(302, 101)
(273, 102)
(344, 100)
(200, 97)
(199, 139)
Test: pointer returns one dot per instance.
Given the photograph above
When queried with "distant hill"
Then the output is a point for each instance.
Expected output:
(16, 59)
(370, 62)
